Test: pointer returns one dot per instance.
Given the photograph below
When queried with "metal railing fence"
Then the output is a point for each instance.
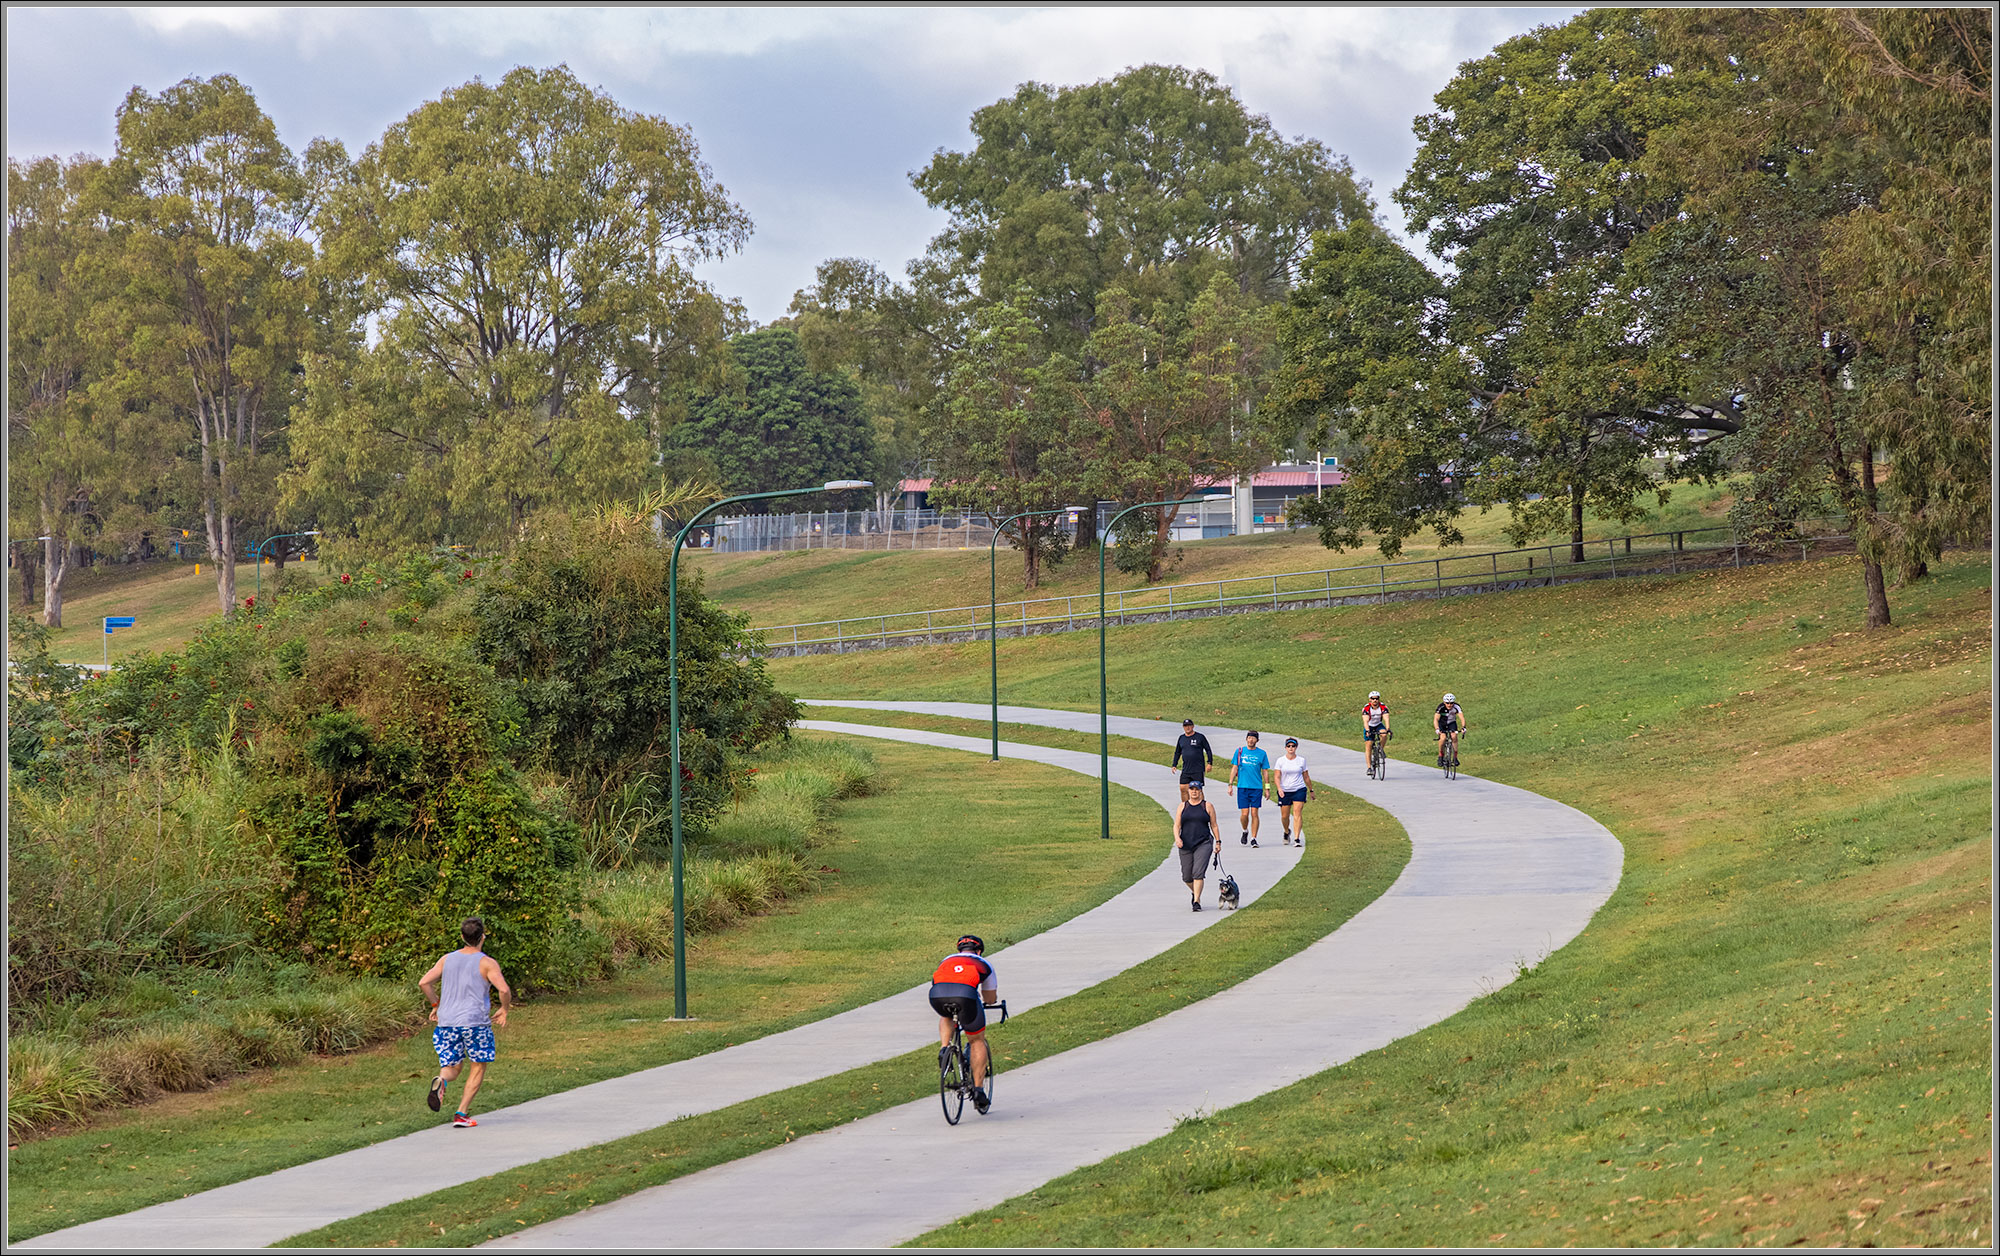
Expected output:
(1646, 553)
(941, 529)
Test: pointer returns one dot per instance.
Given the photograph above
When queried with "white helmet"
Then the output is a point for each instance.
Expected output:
(1374, 693)
(1451, 697)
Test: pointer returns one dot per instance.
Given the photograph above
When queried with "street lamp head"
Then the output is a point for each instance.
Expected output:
(834, 486)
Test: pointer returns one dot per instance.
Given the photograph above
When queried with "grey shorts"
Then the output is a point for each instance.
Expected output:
(1194, 859)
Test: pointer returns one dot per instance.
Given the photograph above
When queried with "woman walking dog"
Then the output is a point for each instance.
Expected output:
(1194, 838)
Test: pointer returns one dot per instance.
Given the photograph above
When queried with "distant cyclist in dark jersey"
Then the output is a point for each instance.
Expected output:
(1449, 719)
(1374, 725)
(963, 987)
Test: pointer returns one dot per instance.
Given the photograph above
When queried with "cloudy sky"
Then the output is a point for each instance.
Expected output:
(812, 117)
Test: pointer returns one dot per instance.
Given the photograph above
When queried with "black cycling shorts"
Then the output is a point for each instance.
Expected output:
(951, 1000)
(1194, 859)
(1194, 778)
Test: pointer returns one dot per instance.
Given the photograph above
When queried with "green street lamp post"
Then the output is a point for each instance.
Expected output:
(993, 606)
(674, 705)
(1103, 697)
(258, 553)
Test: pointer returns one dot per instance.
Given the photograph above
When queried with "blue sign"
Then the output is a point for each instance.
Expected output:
(118, 621)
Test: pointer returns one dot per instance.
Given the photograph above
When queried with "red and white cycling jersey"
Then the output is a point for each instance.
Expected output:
(1373, 713)
(962, 968)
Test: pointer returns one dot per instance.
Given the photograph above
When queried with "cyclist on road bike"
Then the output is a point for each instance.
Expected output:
(962, 988)
(1449, 721)
(1374, 724)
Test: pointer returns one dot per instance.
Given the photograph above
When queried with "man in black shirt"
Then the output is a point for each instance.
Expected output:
(1193, 757)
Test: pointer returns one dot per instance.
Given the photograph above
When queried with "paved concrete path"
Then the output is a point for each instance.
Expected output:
(1497, 876)
(1136, 924)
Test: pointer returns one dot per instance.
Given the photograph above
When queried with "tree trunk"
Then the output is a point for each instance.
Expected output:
(1871, 558)
(1031, 558)
(24, 559)
(1576, 523)
(1086, 524)
(56, 554)
(1163, 527)
(278, 565)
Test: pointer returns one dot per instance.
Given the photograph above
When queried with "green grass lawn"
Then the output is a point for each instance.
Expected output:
(803, 586)
(170, 599)
(900, 890)
(1778, 1031)
(1358, 852)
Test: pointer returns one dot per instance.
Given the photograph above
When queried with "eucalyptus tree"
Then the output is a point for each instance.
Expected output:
(61, 459)
(208, 213)
(523, 253)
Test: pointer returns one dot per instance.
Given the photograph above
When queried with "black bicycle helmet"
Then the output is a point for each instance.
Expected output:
(972, 942)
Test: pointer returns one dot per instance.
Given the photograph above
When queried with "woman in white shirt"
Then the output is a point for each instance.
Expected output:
(1294, 788)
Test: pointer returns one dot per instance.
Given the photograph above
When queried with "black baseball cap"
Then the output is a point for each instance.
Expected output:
(1187, 723)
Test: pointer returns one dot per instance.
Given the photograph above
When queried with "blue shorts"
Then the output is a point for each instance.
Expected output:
(1289, 797)
(454, 1043)
(1249, 799)
(1368, 734)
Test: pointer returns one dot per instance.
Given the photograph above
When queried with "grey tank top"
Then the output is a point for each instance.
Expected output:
(464, 1000)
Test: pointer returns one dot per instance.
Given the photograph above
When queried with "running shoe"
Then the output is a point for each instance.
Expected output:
(434, 1098)
(1253, 843)
(1197, 904)
(1288, 839)
(460, 1121)
(1243, 838)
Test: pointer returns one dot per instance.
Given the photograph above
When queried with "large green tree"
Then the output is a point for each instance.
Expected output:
(1173, 404)
(209, 215)
(523, 252)
(1834, 269)
(1531, 185)
(1003, 434)
(775, 422)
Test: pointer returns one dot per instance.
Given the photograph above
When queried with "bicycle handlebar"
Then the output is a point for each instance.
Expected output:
(1002, 1005)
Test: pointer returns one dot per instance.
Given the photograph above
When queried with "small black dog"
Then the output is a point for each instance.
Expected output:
(1226, 894)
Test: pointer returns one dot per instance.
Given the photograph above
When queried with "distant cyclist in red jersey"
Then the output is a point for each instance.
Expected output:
(963, 987)
(1374, 725)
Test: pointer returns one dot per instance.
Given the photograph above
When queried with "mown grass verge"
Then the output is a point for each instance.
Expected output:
(1360, 854)
(1778, 1031)
(893, 883)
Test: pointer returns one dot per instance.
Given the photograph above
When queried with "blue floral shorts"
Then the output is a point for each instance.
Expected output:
(463, 1042)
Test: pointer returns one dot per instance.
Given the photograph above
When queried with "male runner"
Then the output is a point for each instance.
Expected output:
(464, 1027)
(1247, 768)
(1193, 757)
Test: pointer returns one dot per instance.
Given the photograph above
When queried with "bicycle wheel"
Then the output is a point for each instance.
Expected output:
(1451, 759)
(952, 1083)
(1381, 761)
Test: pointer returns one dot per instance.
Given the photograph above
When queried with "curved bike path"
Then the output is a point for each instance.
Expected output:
(1497, 877)
(1131, 927)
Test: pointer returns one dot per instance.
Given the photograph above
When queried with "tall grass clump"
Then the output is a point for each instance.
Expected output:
(751, 860)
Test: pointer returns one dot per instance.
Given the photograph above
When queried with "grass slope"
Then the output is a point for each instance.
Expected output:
(1778, 1030)
(802, 586)
(898, 884)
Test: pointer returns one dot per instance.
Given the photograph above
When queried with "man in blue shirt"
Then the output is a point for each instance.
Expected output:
(1247, 768)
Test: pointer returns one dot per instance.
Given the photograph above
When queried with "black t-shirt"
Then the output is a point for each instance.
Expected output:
(1193, 747)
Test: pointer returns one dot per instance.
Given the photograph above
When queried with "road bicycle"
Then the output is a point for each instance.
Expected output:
(1449, 760)
(1378, 761)
(955, 1068)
